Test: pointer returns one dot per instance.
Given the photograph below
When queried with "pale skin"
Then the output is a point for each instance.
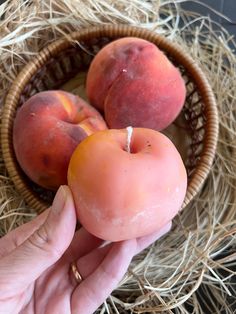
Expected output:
(35, 259)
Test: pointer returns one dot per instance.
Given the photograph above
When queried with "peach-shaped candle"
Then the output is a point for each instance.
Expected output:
(126, 183)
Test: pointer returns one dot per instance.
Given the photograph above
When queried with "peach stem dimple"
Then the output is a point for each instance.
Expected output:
(129, 136)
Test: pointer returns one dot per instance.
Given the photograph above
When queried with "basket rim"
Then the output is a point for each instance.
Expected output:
(212, 122)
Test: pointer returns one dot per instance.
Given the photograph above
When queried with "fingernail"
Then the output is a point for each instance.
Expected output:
(167, 227)
(59, 199)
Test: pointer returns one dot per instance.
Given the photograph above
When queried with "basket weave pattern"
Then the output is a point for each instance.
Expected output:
(63, 59)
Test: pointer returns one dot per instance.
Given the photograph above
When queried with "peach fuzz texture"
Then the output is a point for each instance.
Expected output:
(135, 84)
(46, 131)
(120, 195)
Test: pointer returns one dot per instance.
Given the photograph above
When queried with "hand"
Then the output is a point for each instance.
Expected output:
(35, 259)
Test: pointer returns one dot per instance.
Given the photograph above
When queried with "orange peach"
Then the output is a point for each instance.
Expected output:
(47, 129)
(126, 185)
(134, 83)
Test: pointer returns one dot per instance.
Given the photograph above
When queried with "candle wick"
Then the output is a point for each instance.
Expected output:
(129, 136)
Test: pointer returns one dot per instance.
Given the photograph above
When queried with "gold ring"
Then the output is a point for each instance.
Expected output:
(76, 273)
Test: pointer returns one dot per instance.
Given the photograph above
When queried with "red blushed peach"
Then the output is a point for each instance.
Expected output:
(47, 129)
(134, 83)
(123, 191)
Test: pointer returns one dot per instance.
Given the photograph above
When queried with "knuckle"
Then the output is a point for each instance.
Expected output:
(43, 240)
(109, 273)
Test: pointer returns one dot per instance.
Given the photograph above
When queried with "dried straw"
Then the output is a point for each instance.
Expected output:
(166, 277)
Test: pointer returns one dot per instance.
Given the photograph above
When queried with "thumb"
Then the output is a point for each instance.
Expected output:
(42, 249)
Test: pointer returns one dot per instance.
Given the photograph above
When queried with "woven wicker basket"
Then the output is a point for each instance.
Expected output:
(61, 61)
